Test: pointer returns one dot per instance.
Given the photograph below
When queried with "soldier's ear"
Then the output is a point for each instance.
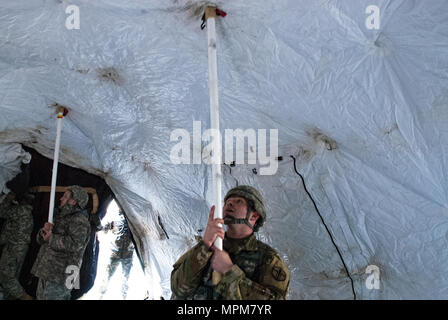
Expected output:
(254, 216)
(72, 202)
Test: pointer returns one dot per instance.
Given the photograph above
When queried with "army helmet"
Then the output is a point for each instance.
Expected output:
(80, 195)
(251, 195)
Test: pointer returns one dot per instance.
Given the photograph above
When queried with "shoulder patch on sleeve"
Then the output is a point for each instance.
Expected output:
(278, 273)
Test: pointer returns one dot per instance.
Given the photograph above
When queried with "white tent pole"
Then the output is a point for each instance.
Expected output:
(55, 163)
(210, 16)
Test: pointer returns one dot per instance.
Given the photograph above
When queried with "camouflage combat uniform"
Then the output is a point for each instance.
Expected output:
(122, 253)
(15, 237)
(66, 246)
(258, 273)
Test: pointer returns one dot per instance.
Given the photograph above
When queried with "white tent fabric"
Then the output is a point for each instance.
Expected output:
(11, 157)
(364, 111)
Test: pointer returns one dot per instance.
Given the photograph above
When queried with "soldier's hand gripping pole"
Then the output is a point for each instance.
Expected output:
(210, 17)
(61, 112)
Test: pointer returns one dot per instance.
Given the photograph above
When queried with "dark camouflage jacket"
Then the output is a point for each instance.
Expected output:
(258, 273)
(18, 225)
(66, 246)
(15, 237)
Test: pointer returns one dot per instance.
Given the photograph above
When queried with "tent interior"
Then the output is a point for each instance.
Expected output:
(351, 95)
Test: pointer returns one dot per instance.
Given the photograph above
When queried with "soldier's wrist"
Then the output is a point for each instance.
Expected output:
(228, 269)
(205, 245)
(234, 272)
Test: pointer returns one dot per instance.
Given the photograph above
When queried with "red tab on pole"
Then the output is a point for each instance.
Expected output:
(220, 13)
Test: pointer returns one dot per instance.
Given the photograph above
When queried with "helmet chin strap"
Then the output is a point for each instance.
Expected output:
(233, 220)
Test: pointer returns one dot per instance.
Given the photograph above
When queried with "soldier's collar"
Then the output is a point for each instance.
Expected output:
(67, 210)
(247, 244)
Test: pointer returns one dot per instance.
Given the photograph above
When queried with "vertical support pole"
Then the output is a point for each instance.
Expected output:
(210, 17)
(55, 163)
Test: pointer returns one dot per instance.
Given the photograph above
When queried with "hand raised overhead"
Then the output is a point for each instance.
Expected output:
(213, 229)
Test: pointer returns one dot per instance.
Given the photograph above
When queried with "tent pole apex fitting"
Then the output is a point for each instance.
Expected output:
(63, 110)
(210, 12)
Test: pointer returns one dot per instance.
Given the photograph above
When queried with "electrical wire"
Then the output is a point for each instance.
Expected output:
(326, 227)
(230, 168)
(161, 225)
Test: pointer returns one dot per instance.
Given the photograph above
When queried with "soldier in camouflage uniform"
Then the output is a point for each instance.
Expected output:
(122, 253)
(251, 270)
(62, 247)
(15, 238)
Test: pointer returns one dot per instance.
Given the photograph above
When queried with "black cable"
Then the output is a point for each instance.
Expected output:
(325, 225)
(230, 168)
(161, 225)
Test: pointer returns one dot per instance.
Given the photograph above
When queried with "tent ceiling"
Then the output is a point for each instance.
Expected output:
(364, 111)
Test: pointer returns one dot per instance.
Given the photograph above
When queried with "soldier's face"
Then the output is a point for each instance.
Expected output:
(235, 207)
(67, 198)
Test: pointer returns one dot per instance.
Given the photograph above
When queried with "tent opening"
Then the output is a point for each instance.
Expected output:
(120, 275)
